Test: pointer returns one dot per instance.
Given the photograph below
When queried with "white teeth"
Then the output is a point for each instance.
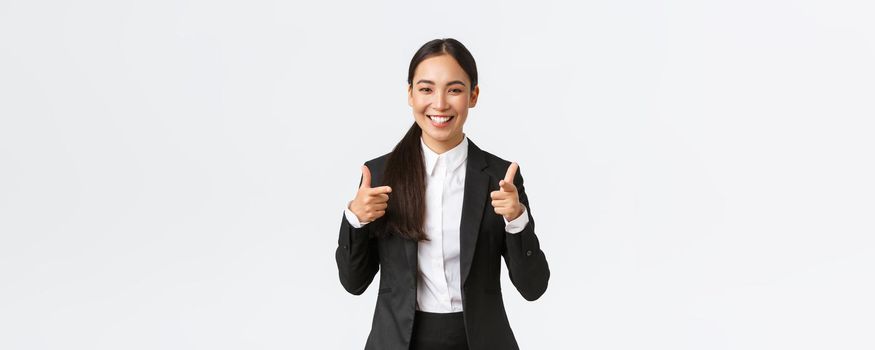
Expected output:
(439, 119)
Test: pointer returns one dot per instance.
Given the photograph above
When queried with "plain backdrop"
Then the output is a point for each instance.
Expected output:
(173, 173)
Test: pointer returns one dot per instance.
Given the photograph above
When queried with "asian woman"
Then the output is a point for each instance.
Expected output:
(435, 216)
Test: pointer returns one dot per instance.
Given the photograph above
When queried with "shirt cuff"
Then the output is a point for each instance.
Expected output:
(352, 219)
(518, 224)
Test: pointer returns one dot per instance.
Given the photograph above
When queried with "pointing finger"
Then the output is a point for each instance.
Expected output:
(381, 189)
(507, 186)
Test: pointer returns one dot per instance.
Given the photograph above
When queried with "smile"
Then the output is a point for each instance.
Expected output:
(440, 120)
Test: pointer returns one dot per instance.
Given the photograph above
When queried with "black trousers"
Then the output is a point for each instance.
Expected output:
(432, 331)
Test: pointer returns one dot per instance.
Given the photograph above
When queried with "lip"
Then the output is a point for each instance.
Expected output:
(444, 125)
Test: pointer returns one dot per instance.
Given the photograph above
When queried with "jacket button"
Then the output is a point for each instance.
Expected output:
(528, 253)
(344, 246)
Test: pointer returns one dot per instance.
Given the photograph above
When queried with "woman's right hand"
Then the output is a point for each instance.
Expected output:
(369, 203)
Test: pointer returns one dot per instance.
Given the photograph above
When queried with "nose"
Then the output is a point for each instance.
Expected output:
(440, 102)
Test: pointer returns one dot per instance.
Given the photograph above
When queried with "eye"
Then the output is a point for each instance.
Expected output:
(456, 91)
(425, 89)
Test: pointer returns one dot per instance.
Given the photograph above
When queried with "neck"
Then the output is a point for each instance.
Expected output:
(440, 147)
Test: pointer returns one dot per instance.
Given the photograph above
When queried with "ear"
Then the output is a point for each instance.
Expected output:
(410, 95)
(474, 95)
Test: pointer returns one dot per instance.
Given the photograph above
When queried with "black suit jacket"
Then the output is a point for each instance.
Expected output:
(483, 241)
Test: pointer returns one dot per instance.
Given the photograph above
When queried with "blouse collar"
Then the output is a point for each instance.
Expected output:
(453, 157)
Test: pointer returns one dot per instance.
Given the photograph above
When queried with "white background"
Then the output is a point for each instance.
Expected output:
(173, 173)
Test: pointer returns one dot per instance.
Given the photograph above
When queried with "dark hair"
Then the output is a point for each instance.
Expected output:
(405, 172)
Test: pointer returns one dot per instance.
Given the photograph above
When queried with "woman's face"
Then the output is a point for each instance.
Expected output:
(440, 95)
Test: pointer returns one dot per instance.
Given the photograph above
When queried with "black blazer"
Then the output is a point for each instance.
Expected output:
(483, 242)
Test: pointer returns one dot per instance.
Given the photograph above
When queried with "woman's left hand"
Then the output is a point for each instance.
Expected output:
(506, 200)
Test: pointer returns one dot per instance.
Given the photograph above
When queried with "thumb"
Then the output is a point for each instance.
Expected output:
(511, 172)
(366, 177)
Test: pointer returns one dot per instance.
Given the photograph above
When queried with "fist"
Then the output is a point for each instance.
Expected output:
(506, 200)
(370, 203)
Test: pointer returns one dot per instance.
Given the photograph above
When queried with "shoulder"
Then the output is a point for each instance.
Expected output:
(378, 162)
(495, 161)
(495, 166)
(377, 166)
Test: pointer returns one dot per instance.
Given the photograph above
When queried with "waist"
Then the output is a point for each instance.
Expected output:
(439, 315)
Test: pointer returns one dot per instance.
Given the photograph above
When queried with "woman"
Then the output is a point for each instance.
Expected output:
(435, 216)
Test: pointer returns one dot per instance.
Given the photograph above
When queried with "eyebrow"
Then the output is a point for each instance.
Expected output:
(448, 84)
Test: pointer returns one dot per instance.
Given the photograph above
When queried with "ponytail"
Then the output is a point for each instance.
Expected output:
(405, 173)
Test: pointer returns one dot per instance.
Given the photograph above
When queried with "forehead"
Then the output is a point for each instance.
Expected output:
(439, 69)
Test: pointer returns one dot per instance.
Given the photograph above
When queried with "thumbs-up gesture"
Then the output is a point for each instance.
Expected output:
(506, 200)
(370, 203)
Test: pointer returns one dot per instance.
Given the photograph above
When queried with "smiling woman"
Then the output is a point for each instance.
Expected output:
(440, 99)
(435, 216)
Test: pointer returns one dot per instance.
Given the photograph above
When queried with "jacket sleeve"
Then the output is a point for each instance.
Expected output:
(356, 256)
(526, 263)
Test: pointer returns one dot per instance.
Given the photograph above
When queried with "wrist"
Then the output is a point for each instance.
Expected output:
(515, 216)
(357, 216)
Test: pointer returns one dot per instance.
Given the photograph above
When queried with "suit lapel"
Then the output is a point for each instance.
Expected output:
(476, 187)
